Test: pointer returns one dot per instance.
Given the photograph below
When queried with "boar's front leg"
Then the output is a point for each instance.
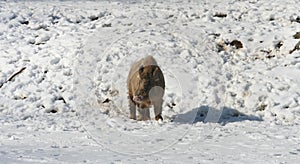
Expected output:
(144, 114)
(156, 96)
(132, 108)
(158, 109)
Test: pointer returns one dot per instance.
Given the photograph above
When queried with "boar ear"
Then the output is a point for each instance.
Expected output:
(141, 69)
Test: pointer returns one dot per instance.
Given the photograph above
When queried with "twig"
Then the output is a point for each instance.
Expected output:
(13, 76)
(297, 47)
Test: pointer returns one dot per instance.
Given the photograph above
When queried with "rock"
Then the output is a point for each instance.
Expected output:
(220, 15)
(297, 35)
(278, 45)
(297, 47)
(237, 44)
(106, 25)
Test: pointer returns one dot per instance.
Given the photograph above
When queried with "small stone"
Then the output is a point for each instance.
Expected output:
(93, 18)
(220, 15)
(106, 25)
(237, 44)
(55, 61)
(297, 35)
(278, 44)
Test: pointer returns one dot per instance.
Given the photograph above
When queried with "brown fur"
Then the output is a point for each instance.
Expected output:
(146, 87)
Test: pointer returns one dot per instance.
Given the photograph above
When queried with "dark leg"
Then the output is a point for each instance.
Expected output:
(156, 94)
(132, 108)
(144, 114)
(140, 115)
(158, 109)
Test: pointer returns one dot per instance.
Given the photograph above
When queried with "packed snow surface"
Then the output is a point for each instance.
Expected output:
(232, 72)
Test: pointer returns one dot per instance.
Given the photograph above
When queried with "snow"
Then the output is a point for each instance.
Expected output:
(232, 81)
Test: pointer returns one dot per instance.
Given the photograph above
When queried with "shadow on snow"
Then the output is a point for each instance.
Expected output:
(223, 116)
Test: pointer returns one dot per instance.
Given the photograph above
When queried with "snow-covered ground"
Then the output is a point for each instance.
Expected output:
(232, 81)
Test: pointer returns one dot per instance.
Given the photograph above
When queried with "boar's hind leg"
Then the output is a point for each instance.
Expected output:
(132, 109)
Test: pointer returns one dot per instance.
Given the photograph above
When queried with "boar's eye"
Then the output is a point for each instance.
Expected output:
(143, 92)
(141, 69)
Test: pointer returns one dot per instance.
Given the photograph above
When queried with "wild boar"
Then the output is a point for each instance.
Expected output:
(146, 86)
